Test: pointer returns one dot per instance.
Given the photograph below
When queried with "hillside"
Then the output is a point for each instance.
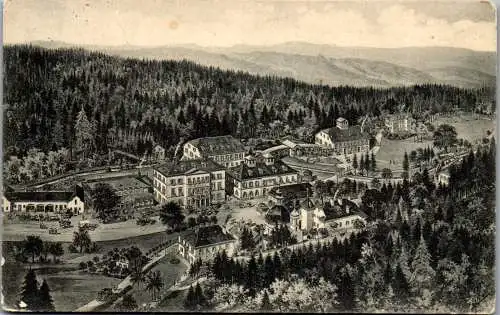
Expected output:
(133, 104)
(332, 65)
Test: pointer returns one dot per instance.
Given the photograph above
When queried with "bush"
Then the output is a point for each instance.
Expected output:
(175, 260)
(82, 265)
(72, 248)
(93, 248)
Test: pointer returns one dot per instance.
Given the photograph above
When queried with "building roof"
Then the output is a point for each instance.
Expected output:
(39, 196)
(397, 116)
(243, 171)
(307, 204)
(275, 148)
(350, 134)
(277, 213)
(297, 190)
(341, 210)
(187, 167)
(218, 145)
(120, 183)
(207, 235)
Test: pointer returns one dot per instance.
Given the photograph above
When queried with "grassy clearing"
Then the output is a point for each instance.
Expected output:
(70, 288)
(394, 150)
(468, 128)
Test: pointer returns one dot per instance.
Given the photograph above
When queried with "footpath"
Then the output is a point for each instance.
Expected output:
(125, 285)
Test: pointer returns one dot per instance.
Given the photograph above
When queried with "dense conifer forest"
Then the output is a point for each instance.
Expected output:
(427, 249)
(58, 98)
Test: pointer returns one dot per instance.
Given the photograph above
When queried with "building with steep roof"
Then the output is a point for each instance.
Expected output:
(399, 123)
(225, 150)
(343, 139)
(298, 191)
(205, 242)
(190, 183)
(342, 214)
(43, 201)
(256, 176)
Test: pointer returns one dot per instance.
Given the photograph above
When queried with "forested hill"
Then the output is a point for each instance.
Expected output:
(133, 104)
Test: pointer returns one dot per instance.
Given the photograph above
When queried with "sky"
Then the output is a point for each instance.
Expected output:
(224, 23)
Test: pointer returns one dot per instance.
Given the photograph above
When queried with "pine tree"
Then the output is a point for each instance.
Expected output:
(373, 163)
(46, 302)
(406, 162)
(422, 272)
(417, 232)
(266, 303)
(354, 162)
(29, 291)
(251, 276)
(190, 298)
(199, 298)
(400, 285)
(367, 162)
(84, 133)
(362, 163)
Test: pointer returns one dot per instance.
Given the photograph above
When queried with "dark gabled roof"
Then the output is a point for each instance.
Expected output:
(188, 167)
(243, 171)
(350, 134)
(207, 235)
(298, 190)
(39, 196)
(277, 213)
(307, 204)
(340, 210)
(218, 145)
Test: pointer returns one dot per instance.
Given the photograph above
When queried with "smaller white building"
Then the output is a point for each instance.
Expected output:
(205, 242)
(444, 178)
(42, 202)
(399, 123)
(343, 214)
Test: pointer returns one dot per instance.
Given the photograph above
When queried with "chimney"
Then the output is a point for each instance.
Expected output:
(250, 161)
(342, 123)
(268, 158)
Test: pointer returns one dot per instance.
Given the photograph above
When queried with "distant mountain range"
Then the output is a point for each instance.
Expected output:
(332, 65)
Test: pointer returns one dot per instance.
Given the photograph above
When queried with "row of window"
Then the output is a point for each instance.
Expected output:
(228, 157)
(216, 176)
(271, 182)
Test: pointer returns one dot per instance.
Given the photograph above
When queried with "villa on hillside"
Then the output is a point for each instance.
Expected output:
(205, 242)
(342, 214)
(344, 140)
(190, 183)
(256, 176)
(399, 123)
(225, 150)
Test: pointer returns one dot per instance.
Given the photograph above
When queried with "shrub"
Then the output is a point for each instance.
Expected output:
(72, 248)
(83, 265)
(96, 259)
(175, 260)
